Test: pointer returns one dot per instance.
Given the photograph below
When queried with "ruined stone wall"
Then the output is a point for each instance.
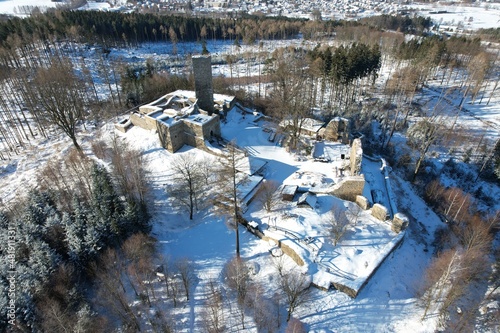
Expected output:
(399, 222)
(356, 156)
(193, 129)
(124, 125)
(349, 188)
(286, 250)
(196, 134)
(171, 137)
(140, 120)
(194, 141)
(148, 108)
(212, 127)
(177, 136)
(337, 128)
(202, 69)
(380, 212)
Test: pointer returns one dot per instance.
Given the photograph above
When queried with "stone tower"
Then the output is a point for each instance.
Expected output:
(202, 68)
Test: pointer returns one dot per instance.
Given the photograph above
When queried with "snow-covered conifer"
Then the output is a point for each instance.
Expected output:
(75, 234)
(106, 207)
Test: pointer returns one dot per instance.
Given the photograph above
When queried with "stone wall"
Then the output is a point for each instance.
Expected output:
(362, 202)
(356, 156)
(193, 129)
(349, 188)
(337, 128)
(140, 120)
(399, 222)
(285, 248)
(124, 125)
(212, 128)
(172, 136)
(380, 212)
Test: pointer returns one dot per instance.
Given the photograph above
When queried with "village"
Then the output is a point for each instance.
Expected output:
(336, 176)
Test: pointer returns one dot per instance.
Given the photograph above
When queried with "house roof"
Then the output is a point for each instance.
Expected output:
(289, 189)
(250, 165)
(308, 124)
(307, 199)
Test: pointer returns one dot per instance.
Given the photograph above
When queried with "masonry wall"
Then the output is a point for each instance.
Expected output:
(212, 127)
(350, 188)
(356, 156)
(140, 121)
(172, 137)
(337, 128)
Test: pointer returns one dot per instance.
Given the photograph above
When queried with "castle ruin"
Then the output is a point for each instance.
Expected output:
(184, 117)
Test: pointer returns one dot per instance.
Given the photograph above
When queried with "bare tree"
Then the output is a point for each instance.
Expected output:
(69, 175)
(268, 195)
(167, 272)
(339, 223)
(423, 135)
(142, 273)
(207, 169)
(186, 272)
(437, 279)
(128, 166)
(138, 252)
(295, 287)
(213, 316)
(291, 94)
(111, 289)
(264, 310)
(228, 200)
(61, 96)
(187, 181)
(237, 278)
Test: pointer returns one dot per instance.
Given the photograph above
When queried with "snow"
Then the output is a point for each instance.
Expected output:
(12, 6)
(469, 17)
(91, 5)
(384, 303)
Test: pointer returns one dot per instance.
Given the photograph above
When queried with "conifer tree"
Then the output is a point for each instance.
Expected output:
(75, 232)
(106, 207)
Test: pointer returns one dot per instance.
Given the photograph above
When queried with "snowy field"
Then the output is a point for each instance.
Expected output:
(456, 17)
(15, 7)
(12, 6)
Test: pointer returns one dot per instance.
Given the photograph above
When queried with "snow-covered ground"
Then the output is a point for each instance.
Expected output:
(23, 7)
(386, 304)
(449, 16)
(463, 17)
(11, 6)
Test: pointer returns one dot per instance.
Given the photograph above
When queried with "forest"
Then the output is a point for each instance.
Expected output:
(83, 235)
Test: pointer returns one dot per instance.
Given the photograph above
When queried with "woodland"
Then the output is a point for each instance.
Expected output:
(83, 247)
